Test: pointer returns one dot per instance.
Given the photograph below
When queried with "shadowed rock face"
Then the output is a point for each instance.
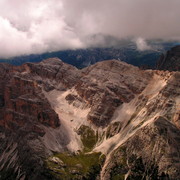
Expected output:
(170, 61)
(34, 125)
(22, 102)
(23, 113)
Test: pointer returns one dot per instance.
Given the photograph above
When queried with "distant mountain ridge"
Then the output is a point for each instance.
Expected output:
(126, 51)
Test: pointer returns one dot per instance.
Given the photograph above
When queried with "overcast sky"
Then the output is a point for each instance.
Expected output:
(36, 26)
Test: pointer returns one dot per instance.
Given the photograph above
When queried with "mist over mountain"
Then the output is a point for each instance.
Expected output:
(35, 27)
(126, 50)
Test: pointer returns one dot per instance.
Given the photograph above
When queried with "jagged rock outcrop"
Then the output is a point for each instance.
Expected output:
(106, 85)
(130, 115)
(55, 72)
(171, 60)
(152, 153)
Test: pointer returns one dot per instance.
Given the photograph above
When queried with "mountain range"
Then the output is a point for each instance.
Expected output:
(126, 51)
(108, 121)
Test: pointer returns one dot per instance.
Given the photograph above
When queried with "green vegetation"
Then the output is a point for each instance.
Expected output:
(88, 137)
(118, 177)
(83, 165)
(76, 166)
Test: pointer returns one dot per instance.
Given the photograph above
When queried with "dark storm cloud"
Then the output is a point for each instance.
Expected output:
(38, 26)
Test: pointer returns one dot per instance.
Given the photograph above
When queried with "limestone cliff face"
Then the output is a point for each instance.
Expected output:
(24, 111)
(107, 85)
(130, 115)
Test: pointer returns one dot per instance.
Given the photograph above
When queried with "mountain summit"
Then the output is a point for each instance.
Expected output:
(108, 121)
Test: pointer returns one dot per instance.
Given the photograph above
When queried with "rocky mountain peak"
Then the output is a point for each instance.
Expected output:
(171, 60)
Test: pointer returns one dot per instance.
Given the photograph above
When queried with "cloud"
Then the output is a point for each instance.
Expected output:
(142, 44)
(28, 27)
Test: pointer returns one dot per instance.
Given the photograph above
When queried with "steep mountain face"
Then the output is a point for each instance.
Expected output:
(110, 120)
(171, 60)
(24, 114)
